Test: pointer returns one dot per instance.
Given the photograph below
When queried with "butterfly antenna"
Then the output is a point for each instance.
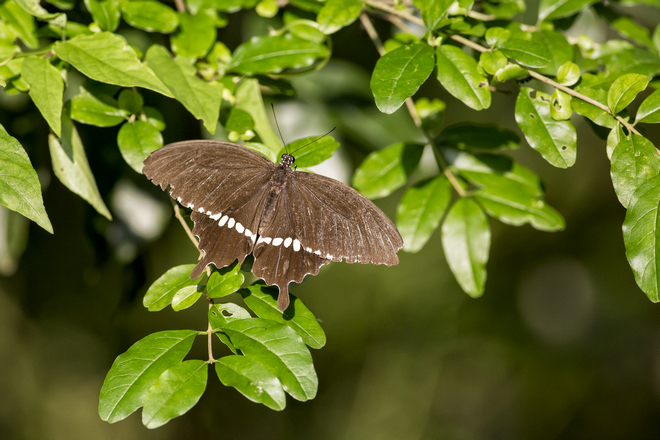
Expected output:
(272, 107)
(317, 139)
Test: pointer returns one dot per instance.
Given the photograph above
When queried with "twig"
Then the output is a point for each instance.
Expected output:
(408, 16)
(177, 214)
(372, 33)
(180, 5)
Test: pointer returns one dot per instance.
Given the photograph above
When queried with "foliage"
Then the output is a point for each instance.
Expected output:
(473, 50)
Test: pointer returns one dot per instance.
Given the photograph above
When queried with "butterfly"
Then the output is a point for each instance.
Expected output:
(293, 222)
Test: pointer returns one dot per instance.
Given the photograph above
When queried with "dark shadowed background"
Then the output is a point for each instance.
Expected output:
(562, 344)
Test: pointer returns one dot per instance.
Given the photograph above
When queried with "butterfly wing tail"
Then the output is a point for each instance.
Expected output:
(283, 298)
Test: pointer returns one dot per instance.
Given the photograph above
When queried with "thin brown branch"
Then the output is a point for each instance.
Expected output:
(364, 19)
(209, 331)
(180, 5)
(177, 214)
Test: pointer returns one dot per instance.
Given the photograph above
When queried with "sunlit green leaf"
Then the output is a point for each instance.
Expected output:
(527, 53)
(162, 291)
(399, 74)
(466, 242)
(641, 236)
(107, 58)
(649, 109)
(21, 22)
(225, 281)
(560, 106)
(492, 61)
(272, 54)
(314, 153)
(152, 16)
(634, 161)
(154, 117)
(239, 121)
(20, 190)
(136, 141)
(430, 112)
(420, 211)
(597, 115)
(511, 71)
(261, 148)
(71, 167)
(625, 89)
(96, 109)
(177, 390)
(568, 73)
(281, 350)
(614, 138)
(551, 9)
(186, 297)
(46, 90)
(433, 11)
(195, 36)
(130, 101)
(33, 7)
(252, 379)
(248, 98)
(105, 13)
(555, 140)
(220, 314)
(336, 14)
(262, 300)
(495, 36)
(387, 170)
(199, 97)
(557, 46)
(457, 72)
(135, 371)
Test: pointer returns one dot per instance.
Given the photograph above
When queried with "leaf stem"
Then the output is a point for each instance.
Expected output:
(180, 5)
(408, 16)
(177, 214)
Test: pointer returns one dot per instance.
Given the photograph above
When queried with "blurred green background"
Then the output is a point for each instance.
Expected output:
(562, 345)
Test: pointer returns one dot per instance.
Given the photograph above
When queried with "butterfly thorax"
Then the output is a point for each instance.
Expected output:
(277, 184)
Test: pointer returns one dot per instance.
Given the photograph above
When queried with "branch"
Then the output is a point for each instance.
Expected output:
(177, 214)
(408, 16)
(180, 5)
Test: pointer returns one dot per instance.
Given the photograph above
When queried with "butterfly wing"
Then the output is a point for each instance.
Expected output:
(225, 185)
(337, 222)
(279, 257)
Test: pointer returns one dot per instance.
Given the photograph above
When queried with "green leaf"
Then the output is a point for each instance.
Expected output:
(154, 117)
(431, 113)
(222, 313)
(19, 186)
(195, 35)
(505, 9)
(162, 291)
(492, 61)
(552, 9)
(239, 121)
(466, 242)
(479, 137)
(399, 74)
(433, 11)
(457, 72)
(508, 191)
(555, 140)
(568, 73)
(656, 38)
(46, 90)
(625, 25)
(597, 115)
(613, 139)
(175, 392)
(136, 370)
(199, 97)
(136, 141)
(21, 22)
(641, 236)
(95, 109)
(495, 36)
(649, 110)
(105, 13)
(557, 46)
(106, 57)
(130, 101)
(336, 14)
(248, 98)
(263, 301)
(267, 8)
(634, 161)
(152, 16)
(560, 106)
(273, 54)
(225, 281)
(186, 297)
(314, 153)
(387, 170)
(421, 210)
(528, 53)
(252, 379)
(263, 149)
(71, 167)
(511, 71)
(281, 350)
(625, 89)
(33, 7)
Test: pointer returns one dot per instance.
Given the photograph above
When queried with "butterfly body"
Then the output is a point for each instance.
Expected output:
(292, 222)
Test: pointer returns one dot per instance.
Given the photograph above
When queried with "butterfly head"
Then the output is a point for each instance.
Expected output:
(287, 160)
